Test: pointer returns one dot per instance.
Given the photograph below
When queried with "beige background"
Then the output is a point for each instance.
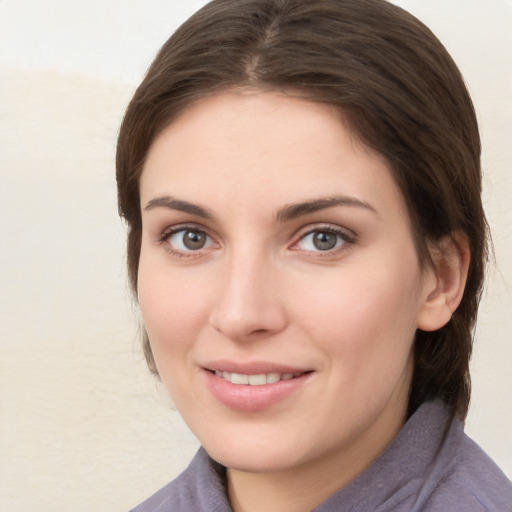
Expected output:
(82, 425)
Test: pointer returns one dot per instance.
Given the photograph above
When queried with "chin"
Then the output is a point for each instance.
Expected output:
(255, 462)
(254, 457)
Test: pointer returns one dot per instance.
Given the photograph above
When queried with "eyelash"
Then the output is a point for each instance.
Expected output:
(168, 233)
(344, 239)
(342, 235)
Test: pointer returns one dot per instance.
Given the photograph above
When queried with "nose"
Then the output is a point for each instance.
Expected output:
(249, 304)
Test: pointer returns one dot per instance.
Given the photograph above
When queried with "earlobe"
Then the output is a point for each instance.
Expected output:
(445, 281)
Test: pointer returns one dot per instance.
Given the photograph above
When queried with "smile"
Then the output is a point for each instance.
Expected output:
(256, 390)
(255, 380)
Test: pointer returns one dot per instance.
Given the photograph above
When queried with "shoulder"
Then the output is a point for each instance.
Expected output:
(199, 488)
(473, 483)
(159, 502)
(176, 496)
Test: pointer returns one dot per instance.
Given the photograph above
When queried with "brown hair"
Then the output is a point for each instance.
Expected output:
(395, 85)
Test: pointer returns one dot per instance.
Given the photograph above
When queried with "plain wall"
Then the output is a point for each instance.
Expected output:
(82, 425)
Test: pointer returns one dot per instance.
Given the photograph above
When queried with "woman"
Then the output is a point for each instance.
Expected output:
(301, 181)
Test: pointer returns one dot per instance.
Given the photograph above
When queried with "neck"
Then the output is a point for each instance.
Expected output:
(299, 490)
(304, 484)
(304, 487)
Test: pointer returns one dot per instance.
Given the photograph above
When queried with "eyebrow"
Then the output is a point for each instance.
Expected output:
(180, 205)
(295, 210)
(288, 212)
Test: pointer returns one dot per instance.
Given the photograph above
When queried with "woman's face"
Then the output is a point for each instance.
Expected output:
(279, 283)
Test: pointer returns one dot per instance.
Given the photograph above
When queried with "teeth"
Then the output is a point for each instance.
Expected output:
(239, 378)
(273, 377)
(254, 380)
(257, 380)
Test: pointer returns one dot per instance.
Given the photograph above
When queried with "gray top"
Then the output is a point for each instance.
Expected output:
(431, 466)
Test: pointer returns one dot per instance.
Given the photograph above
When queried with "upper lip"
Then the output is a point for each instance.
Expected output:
(252, 367)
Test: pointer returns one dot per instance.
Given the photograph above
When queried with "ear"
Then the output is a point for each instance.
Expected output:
(445, 280)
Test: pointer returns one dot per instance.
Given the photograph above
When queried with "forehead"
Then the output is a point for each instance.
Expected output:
(277, 146)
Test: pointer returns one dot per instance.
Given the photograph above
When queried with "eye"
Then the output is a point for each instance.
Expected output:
(188, 240)
(323, 240)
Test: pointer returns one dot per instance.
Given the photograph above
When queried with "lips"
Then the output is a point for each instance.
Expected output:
(258, 379)
(253, 387)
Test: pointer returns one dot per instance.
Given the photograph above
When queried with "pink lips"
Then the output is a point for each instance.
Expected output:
(252, 398)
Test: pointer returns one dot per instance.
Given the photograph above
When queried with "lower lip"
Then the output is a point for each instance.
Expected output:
(247, 398)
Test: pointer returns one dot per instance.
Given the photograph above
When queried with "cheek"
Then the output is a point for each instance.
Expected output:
(365, 320)
(173, 317)
(172, 308)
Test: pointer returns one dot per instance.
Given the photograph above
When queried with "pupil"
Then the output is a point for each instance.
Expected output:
(324, 241)
(194, 240)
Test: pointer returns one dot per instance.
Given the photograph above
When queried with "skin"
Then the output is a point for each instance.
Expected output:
(259, 290)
